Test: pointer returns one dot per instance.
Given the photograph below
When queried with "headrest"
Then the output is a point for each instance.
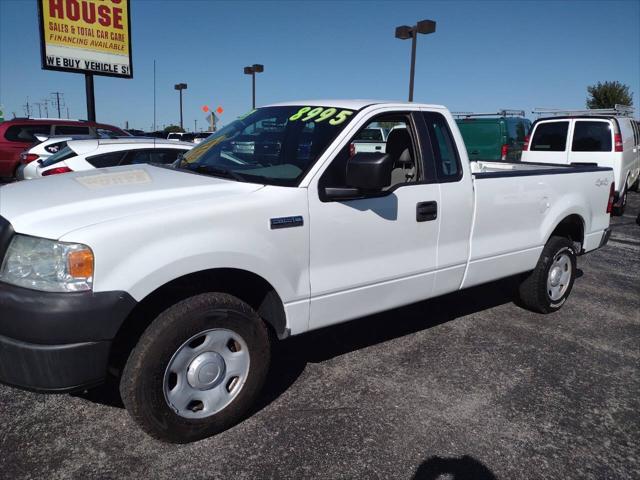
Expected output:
(399, 146)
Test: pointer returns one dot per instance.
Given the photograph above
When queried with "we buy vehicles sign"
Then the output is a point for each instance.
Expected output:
(86, 36)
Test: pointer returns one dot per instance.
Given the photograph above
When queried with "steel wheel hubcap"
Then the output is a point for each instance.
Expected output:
(559, 276)
(206, 373)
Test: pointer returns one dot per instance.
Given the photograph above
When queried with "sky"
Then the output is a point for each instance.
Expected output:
(484, 55)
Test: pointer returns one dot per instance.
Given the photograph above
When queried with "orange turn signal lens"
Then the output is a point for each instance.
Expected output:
(80, 263)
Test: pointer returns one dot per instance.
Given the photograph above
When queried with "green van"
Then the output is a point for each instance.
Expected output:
(494, 137)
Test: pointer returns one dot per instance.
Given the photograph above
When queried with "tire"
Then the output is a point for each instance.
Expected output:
(636, 185)
(535, 292)
(185, 354)
(619, 211)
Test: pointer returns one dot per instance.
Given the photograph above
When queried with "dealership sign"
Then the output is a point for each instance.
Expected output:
(86, 36)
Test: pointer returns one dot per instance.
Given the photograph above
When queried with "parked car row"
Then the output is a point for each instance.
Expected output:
(21, 133)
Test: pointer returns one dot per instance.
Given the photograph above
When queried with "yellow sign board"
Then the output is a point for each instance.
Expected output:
(86, 36)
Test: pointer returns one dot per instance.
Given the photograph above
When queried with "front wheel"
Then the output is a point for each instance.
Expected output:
(197, 368)
(547, 288)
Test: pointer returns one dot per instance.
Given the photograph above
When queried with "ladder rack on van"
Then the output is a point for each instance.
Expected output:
(500, 113)
(617, 110)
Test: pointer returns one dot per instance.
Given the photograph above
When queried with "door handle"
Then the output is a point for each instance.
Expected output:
(426, 211)
(378, 147)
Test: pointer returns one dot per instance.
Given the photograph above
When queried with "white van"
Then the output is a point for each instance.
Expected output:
(607, 137)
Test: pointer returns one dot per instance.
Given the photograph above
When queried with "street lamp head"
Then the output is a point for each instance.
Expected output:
(258, 68)
(426, 26)
(404, 32)
(180, 86)
(248, 70)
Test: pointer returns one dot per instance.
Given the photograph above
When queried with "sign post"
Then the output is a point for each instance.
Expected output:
(91, 98)
(92, 37)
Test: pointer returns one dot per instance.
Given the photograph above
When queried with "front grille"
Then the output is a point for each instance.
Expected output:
(6, 233)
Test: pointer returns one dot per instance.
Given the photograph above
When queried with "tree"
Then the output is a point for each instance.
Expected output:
(608, 94)
(173, 129)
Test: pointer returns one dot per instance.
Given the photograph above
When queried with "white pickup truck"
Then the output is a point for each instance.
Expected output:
(177, 279)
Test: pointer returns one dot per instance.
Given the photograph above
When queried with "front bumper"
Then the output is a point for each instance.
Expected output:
(58, 341)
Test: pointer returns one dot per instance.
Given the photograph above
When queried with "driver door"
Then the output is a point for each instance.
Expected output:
(378, 252)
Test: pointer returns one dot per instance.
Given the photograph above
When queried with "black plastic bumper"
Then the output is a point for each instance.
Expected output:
(58, 341)
(53, 368)
(605, 237)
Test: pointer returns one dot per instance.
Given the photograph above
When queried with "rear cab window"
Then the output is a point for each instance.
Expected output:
(550, 137)
(445, 152)
(592, 136)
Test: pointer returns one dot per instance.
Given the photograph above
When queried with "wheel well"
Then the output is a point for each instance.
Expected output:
(247, 286)
(572, 227)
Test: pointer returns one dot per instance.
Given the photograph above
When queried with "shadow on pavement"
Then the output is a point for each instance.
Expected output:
(291, 356)
(462, 468)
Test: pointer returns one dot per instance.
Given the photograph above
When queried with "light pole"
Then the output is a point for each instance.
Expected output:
(404, 33)
(180, 87)
(252, 70)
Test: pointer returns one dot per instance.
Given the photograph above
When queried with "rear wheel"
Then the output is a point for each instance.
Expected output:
(636, 184)
(547, 288)
(197, 368)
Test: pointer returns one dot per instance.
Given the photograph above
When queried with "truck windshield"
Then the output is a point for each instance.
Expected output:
(270, 145)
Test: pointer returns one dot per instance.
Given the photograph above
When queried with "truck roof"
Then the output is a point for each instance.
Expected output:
(354, 104)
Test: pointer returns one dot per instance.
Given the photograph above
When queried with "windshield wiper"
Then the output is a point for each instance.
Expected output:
(218, 172)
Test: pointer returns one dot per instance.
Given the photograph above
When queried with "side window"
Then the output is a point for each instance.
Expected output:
(521, 130)
(135, 157)
(107, 133)
(105, 160)
(445, 153)
(26, 133)
(636, 132)
(550, 137)
(591, 137)
(165, 156)
(400, 144)
(70, 130)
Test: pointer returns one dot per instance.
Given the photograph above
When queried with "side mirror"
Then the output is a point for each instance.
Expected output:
(367, 173)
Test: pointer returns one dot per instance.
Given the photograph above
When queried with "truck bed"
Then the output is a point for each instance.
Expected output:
(487, 169)
(516, 205)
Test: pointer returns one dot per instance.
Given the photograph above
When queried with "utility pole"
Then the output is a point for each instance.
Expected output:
(154, 95)
(57, 94)
(38, 104)
(27, 108)
(195, 126)
(45, 102)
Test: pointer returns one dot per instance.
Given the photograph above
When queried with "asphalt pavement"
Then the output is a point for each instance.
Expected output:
(467, 386)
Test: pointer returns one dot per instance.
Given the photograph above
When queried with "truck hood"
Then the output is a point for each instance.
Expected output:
(53, 206)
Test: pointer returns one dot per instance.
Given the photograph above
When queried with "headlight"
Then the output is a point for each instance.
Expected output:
(47, 265)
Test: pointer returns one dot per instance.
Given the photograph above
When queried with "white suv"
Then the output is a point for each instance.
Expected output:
(79, 155)
(609, 138)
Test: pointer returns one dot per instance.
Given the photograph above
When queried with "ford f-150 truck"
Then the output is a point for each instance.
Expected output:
(177, 280)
